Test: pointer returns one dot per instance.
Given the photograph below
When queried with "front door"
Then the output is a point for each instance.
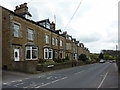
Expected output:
(53, 54)
(16, 54)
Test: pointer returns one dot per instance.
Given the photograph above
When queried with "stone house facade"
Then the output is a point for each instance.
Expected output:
(27, 40)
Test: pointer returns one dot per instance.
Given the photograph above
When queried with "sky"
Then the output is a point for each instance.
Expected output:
(95, 23)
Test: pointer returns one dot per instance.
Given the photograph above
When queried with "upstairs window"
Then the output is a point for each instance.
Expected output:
(47, 39)
(16, 31)
(56, 42)
(43, 24)
(48, 25)
(61, 43)
(30, 34)
(53, 41)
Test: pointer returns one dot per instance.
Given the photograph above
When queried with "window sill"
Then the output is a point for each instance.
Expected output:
(17, 37)
(31, 59)
(30, 40)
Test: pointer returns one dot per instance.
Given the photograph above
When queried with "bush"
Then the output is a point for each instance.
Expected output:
(59, 60)
(83, 57)
(88, 62)
(66, 58)
(41, 61)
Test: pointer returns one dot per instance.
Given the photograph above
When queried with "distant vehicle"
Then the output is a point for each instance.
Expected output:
(112, 61)
(102, 61)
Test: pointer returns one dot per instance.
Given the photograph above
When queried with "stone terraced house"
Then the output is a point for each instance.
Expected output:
(26, 40)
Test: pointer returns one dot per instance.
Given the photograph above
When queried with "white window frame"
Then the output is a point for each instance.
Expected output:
(47, 39)
(56, 54)
(47, 25)
(31, 34)
(56, 40)
(51, 51)
(16, 31)
(53, 41)
(31, 53)
(61, 43)
(75, 56)
(48, 51)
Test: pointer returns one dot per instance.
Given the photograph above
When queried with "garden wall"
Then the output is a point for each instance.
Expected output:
(45, 68)
(25, 66)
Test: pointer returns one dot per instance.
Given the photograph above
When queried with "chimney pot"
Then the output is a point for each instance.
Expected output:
(25, 4)
(65, 33)
(17, 7)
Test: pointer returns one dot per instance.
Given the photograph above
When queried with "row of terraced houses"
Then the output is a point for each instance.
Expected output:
(24, 39)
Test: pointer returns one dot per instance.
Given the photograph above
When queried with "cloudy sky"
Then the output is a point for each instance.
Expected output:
(95, 23)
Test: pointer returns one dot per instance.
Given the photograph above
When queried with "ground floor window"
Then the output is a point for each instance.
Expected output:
(61, 54)
(31, 52)
(75, 56)
(48, 53)
(56, 54)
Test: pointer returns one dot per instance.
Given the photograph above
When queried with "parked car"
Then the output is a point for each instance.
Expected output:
(102, 61)
(112, 61)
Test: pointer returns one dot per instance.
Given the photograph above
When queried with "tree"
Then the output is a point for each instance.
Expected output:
(109, 57)
(101, 56)
(83, 57)
(94, 57)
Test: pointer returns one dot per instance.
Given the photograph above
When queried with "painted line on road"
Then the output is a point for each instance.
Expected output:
(51, 82)
(18, 84)
(79, 72)
(49, 77)
(12, 81)
(103, 80)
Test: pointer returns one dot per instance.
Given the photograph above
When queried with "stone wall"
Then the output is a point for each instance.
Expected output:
(25, 66)
(45, 68)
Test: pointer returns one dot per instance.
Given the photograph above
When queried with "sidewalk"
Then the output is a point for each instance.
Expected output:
(11, 76)
(8, 76)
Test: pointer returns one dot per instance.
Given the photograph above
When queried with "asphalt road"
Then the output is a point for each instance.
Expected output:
(99, 75)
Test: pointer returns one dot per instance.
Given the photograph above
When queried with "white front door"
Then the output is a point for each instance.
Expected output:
(16, 54)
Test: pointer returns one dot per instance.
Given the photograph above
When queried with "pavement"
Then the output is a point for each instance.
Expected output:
(99, 75)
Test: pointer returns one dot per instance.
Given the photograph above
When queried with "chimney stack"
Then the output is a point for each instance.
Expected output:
(52, 26)
(22, 10)
(64, 33)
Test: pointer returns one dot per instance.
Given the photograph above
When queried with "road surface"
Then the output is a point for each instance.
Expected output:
(98, 75)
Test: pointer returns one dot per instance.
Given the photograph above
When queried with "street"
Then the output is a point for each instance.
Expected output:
(98, 75)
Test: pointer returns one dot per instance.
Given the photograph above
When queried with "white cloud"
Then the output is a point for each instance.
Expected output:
(95, 23)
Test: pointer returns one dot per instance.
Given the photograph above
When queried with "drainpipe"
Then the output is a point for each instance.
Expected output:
(11, 35)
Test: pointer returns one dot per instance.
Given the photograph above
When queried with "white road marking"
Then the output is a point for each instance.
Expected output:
(13, 81)
(49, 77)
(51, 82)
(5, 83)
(18, 84)
(41, 76)
(55, 77)
(18, 81)
(26, 78)
(102, 80)
(79, 72)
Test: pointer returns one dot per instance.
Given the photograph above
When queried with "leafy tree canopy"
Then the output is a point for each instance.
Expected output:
(101, 56)
(83, 57)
